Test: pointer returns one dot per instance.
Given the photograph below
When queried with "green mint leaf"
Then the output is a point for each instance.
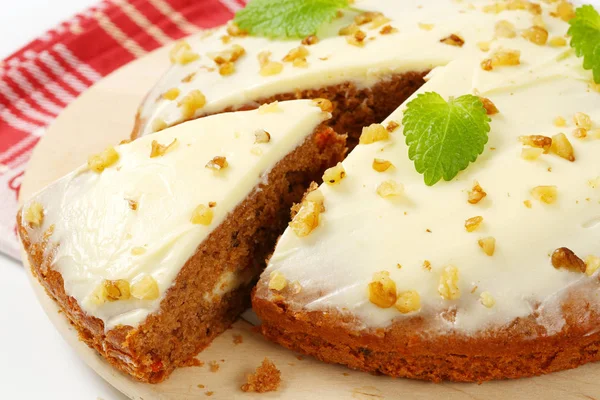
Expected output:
(287, 18)
(585, 38)
(444, 137)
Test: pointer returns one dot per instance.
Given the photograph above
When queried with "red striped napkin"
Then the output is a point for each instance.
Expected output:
(41, 79)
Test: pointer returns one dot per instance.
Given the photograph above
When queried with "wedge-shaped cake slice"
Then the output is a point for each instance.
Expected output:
(152, 248)
(490, 275)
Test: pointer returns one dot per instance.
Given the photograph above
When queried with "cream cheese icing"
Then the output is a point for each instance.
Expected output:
(415, 46)
(100, 237)
(416, 235)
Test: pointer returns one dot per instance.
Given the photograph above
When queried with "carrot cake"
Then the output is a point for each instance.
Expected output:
(414, 269)
(151, 249)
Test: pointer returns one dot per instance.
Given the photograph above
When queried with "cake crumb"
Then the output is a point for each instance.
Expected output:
(201, 386)
(237, 339)
(193, 362)
(300, 358)
(214, 367)
(209, 393)
(266, 378)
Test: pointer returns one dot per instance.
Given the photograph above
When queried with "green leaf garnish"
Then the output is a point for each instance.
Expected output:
(444, 137)
(287, 18)
(585, 38)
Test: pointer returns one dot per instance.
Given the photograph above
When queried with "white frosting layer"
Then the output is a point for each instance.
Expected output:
(331, 61)
(96, 229)
(361, 233)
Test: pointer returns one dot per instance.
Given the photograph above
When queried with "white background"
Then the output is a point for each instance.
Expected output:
(35, 362)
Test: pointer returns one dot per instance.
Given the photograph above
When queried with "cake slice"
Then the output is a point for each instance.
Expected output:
(492, 274)
(152, 248)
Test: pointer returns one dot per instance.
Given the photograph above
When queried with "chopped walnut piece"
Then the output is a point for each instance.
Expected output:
(566, 259)
(408, 301)
(366, 17)
(582, 120)
(357, 38)
(504, 29)
(531, 154)
(426, 27)
(277, 281)
(527, 203)
(380, 165)
(562, 147)
(388, 30)
(545, 194)
(307, 218)
(487, 299)
(390, 188)
(473, 223)
(34, 214)
(476, 194)
(227, 68)
(536, 35)
(348, 30)
(213, 366)
(262, 136)
(488, 245)
(267, 67)
(334, 175)
(99, 162)
(266, 378)
(225, 39)
(133, 204)
(564, 11)
(392, 126)
(560, 121)
(159, 150)
(229, 55)
(217, 163)
(453, 40)
(310, 40)
(171, 94)
(502, 58)
(373, 133)
(182, 53)
(382, 290)
(158, 125)
(234, 30)
(580, 133)
(202, 215)
(116, 290)
(427, 265)
(557, 41)
(324, 104)
(484, 46)
(448, 286)
(188, 78)
(145, 289)
(299, 52)
(537, 141)
(538, 20)
(490, 107)
(592, 263)
(191, 102)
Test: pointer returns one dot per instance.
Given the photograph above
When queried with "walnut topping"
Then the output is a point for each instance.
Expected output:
(488, 245)
(227, 68)
(538, 20)
(536, 35)
(392, 126)
(182, 53)
(426, 27)
(366, 17)
(453, 40)
(390, 188)
(373, 133)
(234, 30)
(448, 286)
(188, 78)
(116, 290)
(380, 165)
(298, 53)
(582, 120)
(202, 215)
(531, 154)
(136, 251)
(171, 94)
(191, 102)
(537, 141)
(592, 263)
(225, 39)
(580, 133)
(310, 40)
(562, 147)
(476, 194)
(387, 30)
(560, 121)
(228, 56)
(357, 38)
(217, 163)
(427, 265)
(324, 104)
(99, 162)
(564, 11)
(484, 46)
(487, 299)
(408, 301)
(382, 290)
(473, 223)
(133, 205)
(348, 30)
(262, 136)
(145, 289)
(307, 218)
(269, 108)
(34, 214)
(490, 108)
(334, 175)
(158, 125)
(277, 281)
(526, 5)
(545, 194)
(566, 259)
(502, 58)
(159, 150)
(267, 67)
(557, 41)
(504, 29)
(527, 203)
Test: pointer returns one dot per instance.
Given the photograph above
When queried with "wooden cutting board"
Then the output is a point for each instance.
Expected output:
(103, 116)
